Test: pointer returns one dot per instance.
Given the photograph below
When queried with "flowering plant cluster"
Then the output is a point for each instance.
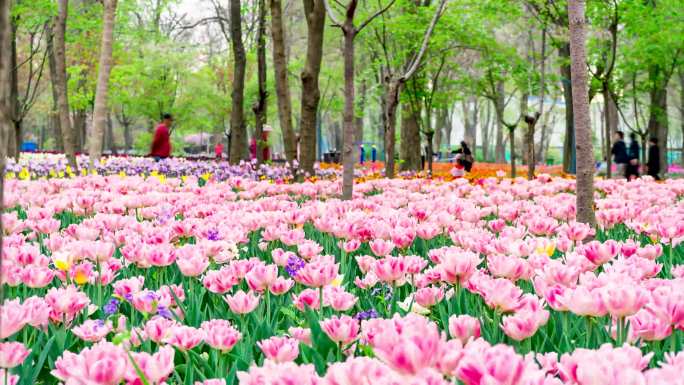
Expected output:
(137, 280)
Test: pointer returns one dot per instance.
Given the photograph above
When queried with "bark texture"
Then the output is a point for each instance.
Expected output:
(100, 109)
(238, 129)
(282, 84)
(315, 21)
(582, 123)
(61, 83)
(410, 148)
(261, 104)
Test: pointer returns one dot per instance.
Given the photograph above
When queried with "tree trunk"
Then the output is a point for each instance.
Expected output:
(499, 151)
(448, 128)
(61, 83)
(5, 104)
(658, 120)
(681, 112)
(282, 85)
(315, 22)
(238, 130)
(566, 80)
(110, 142)
(529, 139)
(429, 136)
(582, 123)
(471, 115)
(410, 139)
(349, 132)
(54, 113)
(610, 114)
(511, 140)
(440, 127)
(15, 139)
(100, 110)
(391, 102)
(261, 104)
(486, 131)
(361, 106)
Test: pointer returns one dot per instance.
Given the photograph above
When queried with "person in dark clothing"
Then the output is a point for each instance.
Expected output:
(633, 157)
(466, 156)
(653, 164)
(619, 152)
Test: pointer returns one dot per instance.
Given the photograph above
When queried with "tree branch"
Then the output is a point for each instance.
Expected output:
(378, 13)
(331, 15)
(426, 39)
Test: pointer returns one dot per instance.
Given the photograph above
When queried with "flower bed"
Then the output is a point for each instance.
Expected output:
(112, 279)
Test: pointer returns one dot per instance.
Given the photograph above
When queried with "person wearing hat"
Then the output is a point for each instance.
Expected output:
(161, 144)
(264, 142)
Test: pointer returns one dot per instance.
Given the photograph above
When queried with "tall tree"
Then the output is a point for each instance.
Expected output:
(5, 74)
(580, 98)
(314, 12)
(100, 111)
(349, 31)
(61, 82)
(393, 82)
(238, 128)
(282, 85)
(261, 104)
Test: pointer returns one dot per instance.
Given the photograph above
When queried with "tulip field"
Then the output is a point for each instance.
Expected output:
(162, 279)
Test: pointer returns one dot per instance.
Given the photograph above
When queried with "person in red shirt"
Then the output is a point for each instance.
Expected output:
(161, 144)
(219, 150)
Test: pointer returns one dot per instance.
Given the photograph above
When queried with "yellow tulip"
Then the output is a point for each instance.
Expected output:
(80, 278)
(62, 261)
(24, 173)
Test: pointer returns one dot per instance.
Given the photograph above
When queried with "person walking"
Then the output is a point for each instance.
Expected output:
(653, 164)
(161, 144)
(633, 157)
(619, 152)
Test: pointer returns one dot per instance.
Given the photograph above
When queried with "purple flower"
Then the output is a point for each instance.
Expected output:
(112, 306)
(213, 235)
(164, 312)
(294, 264)
(366, 314)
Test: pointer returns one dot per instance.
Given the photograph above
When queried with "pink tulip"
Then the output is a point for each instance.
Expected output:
(464, 327)
(339, 299)
(37, 312)
(184, 337)
(12, 379)
(303, 335)
(37, 276)
(280, 349)
(155, 367)
(512, 268)
(600, 253)
(102, 364)
(577, 231)
(502, 295)
(457, 267)
(317, 274)
(220, 281)
(281, 286)
(428, 296)
(261, 277)
(92, 330)
(123, 288)
(309, 249)
(390, 269)
(584, 302)
(66, 300)
(12, 354)
(407, 344)
(351, 246)
(381, 247)
(212, 381)
(414, 264)
(158, 328)
(220, 334)
(241, 302)
(629, 248)
(308, 298)
(192, 263)
(274, 373)
(342, 329)
(650, 252)
(647, 326)
(365, 262)
(622, 299)
(13, 317)
(523, 325)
